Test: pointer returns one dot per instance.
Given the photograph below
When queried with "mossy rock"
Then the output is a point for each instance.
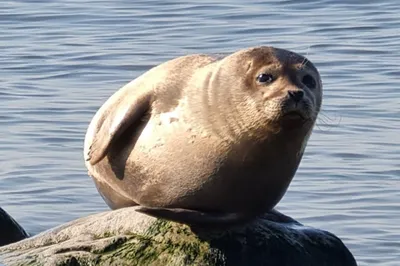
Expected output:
(126, 237)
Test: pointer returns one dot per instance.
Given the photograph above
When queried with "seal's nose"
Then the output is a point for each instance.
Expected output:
(296, 95)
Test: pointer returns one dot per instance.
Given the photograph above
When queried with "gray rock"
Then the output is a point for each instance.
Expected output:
(126, 237)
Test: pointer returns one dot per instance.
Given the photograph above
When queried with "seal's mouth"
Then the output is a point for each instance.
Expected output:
(294, 115)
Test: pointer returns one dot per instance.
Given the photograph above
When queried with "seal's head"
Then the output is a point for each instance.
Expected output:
(282, 89)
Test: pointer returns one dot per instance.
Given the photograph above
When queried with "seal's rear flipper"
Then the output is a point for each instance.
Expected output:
(195, 218)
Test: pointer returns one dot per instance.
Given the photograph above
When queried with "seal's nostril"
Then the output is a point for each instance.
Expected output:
(296, 95)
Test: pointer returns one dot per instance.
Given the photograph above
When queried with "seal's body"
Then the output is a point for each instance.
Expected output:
(201, 135)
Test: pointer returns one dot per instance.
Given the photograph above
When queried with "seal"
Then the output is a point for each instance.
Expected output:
(206, 140)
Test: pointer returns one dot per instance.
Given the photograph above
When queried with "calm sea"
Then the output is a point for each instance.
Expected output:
(60, 60)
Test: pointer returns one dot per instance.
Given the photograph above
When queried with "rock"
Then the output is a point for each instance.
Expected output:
(10, 230)
(127, 237)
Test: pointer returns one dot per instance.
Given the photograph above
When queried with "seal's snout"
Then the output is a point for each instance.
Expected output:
(295, 105)
(296, 95)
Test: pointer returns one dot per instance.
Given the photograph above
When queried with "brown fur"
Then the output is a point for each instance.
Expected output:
(202, 134)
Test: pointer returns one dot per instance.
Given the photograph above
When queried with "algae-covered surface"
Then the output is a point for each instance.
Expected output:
(164, 243)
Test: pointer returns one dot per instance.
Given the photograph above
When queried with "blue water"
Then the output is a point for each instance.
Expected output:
(60, 60)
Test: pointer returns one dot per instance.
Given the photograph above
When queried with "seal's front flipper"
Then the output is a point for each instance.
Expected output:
(195, 218)
(115, 121)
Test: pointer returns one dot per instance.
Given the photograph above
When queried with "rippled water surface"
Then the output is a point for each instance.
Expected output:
(60, 60)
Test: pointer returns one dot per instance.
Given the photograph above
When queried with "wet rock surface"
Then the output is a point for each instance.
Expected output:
(10, 230)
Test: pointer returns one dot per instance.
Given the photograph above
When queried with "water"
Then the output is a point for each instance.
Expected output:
(60, 60)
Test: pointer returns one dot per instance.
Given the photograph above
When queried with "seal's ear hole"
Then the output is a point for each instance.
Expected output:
(309, 81)
(265, 78)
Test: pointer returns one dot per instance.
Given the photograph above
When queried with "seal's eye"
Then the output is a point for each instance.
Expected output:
(265, 78)
(309, 81)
